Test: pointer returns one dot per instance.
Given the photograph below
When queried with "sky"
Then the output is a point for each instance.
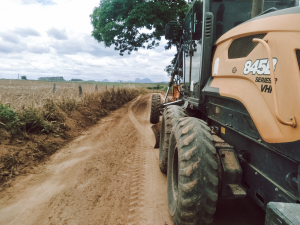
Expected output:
(40, 38)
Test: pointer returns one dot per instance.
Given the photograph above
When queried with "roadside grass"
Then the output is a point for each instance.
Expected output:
(21, 129)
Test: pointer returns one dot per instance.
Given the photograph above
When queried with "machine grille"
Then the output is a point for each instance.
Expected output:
(242, 47)
(298, 57)
(208, 27)
(250, 123)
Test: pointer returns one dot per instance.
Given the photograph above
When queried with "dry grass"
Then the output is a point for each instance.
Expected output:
(19, 94)
(36, 101)
(35, 97)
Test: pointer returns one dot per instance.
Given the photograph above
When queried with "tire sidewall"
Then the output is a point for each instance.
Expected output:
(162, 141)
(172, 198)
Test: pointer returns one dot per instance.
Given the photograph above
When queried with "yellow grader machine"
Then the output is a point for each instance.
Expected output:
(234, 128)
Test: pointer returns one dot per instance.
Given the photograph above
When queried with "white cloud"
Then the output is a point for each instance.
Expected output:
(25, 32)
(52, 38)
(57, 34)
(10, 37)
(43, 2)
(10, 47)
(38, 49)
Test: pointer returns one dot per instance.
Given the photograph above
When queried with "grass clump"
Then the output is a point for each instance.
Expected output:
(51, 112)
(32, 121)
(9, 119)
(68, 104)
(9, 161)
(25, 121)
(7, 115)
(96, 105)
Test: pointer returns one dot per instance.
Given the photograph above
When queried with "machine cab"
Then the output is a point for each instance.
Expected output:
(205, 22)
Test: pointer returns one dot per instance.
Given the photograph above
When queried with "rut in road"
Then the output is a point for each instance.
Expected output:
(151, 207)
(136, 186)
(109, 175)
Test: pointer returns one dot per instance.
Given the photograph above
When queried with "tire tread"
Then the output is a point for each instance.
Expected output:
(198, 172)
(171, 115)
(155, 104)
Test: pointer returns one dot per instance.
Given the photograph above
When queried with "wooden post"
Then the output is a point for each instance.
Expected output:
(54, 88)
(106, 87)
(80, 90)
(96, 87)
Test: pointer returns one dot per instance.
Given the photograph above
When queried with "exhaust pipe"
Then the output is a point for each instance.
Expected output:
(257, 7)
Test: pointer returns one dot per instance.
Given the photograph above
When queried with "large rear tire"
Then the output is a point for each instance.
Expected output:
(170, 116)
(192, 173)
(155, 104)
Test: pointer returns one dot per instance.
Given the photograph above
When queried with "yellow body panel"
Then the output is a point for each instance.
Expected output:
(176, 93)
(283, 35)
(282, 23)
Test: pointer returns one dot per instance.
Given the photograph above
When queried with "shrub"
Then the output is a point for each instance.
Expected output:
(31, 120)
(67, 104)
(9, 161)
(7, 115)
(9, 119)
(51, 111)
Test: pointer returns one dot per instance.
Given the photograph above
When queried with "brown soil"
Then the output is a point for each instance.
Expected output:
(108, 175)
(30, 150)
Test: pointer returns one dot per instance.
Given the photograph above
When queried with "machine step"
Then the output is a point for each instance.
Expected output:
(236, 190)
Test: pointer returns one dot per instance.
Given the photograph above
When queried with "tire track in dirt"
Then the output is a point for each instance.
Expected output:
(153, 203)
(137, 172)
(136, 187)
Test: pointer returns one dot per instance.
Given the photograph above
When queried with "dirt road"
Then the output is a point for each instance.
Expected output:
(109, 175)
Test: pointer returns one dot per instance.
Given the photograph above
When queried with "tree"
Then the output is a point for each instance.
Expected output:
(132, 24)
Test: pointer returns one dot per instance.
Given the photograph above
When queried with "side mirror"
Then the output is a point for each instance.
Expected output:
(170, 30)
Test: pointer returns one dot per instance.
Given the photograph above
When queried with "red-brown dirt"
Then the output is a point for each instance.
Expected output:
(30, 150)
(108, 175)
